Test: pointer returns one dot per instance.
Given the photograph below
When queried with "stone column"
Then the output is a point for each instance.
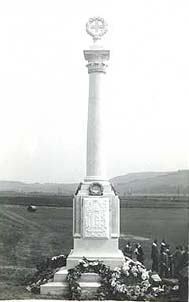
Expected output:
(96, 207)
(96, 143)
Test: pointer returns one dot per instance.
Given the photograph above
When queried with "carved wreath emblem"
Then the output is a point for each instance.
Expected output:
(96, 189)
(96, 27)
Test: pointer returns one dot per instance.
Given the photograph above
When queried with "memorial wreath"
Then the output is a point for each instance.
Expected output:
(129, 282)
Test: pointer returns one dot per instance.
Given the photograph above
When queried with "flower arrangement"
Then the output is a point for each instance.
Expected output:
(87, 266)
(45, 272)
(129, 282)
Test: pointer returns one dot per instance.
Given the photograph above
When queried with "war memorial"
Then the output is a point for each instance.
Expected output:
(96, 206)
(96, 268)
(115, 96)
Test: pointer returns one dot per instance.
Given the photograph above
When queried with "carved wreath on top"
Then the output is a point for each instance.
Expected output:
(96, 27)
(96, 189)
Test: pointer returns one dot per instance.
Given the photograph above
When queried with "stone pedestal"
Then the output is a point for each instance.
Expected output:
(96, 225)
(95, 232)
(96, 222)
(89, 283)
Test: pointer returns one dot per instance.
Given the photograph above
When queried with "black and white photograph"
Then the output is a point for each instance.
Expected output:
(94, 150)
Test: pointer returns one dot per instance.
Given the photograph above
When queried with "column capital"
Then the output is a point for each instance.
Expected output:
(96, 59)
(96, 67)
(96, 55)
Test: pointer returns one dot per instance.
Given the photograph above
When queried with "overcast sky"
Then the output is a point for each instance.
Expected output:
(44, 87)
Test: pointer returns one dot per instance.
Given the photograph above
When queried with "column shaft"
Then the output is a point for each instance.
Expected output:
(96, 146)
(96, 138)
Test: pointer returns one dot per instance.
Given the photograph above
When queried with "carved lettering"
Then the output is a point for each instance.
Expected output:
(96, 217)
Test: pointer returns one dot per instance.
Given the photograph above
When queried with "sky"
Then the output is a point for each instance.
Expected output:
(44, 87)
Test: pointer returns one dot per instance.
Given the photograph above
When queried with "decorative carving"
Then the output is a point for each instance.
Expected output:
(96, 189)
(96, 27)
(96, 67)
(96, 218)
(96, 60)
(96, 56)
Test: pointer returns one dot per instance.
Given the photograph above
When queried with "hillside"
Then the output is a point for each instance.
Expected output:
(133, 183)
(153, 183)
(47, 188)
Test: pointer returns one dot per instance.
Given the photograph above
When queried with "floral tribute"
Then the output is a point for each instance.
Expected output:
(45, 272)
(129, 282)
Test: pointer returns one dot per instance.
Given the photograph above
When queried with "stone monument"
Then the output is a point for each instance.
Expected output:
(96, 206)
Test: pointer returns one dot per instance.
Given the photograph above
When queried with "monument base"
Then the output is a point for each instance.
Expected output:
(89, 283)
(96, 221)
(96, 224)
(114, 260)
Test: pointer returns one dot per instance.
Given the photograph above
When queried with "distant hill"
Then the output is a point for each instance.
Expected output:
(133, 183)
(47, 188)
(153, 183)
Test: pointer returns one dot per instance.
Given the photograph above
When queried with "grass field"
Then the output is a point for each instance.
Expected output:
(28, 238)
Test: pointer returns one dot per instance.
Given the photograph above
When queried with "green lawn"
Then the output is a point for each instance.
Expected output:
(28, 238)
(149, 223)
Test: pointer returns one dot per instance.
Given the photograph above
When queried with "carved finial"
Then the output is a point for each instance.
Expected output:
(96, 27)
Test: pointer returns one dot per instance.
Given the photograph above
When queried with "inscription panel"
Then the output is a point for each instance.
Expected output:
(96, 217)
